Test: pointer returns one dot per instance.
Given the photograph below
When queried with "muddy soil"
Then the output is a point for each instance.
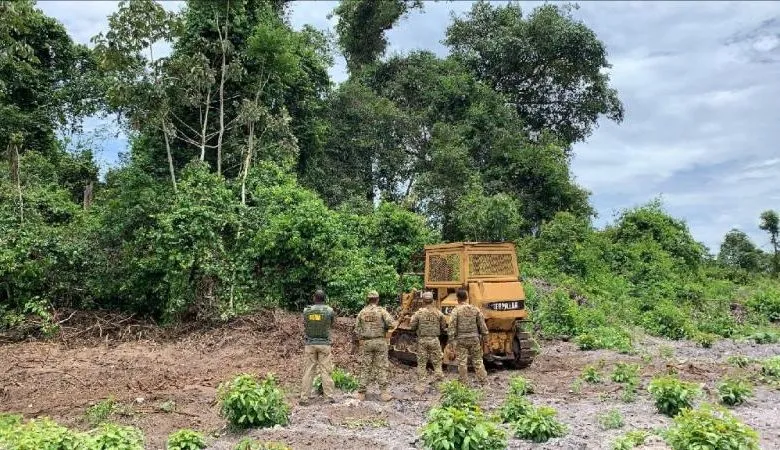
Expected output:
(167, 379)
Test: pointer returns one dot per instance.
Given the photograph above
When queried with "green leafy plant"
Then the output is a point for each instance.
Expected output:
(520, 386)
(539, 425)
(592, 375)
(247, 402)
(611, 420)
(673, 395)
(733, 391)
(605, 338)
(38, 434)
(765, 337)
(110, 436)
(710, 428)
(455, 428)
(630, 440)
(625, 373)
(252, 444)
(342, 380)
(740, 361)
(705, 340)
(456, 394)
(100, 412)
(186, 440)
(770, 368)
(514, 407)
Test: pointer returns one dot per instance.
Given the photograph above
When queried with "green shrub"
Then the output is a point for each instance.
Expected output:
(38, 434)
(605, 338)
(739, 361)
(765, 337)
(186, 440)
(451, 428)
(100, 412)
(247, 402)
(625, 373)
(770, 368)
(667, 320)
(611, 420)
(513, 408)
(734, 391)
(673, 395)
(111, 436)
(630, 440)
(558, 315)
(455, 394)
(766, 302)
(342, 380)
(705, 340)
(591, 375)
(520, 386)
(252, 444)
(539, 425)
(710, 428)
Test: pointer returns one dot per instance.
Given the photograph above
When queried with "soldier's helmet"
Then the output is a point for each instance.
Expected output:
(427, 296)
(372, 294)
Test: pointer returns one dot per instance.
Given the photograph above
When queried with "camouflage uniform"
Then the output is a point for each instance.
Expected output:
(318, 320)
(467, 324)
(429, 323)
(372, 324)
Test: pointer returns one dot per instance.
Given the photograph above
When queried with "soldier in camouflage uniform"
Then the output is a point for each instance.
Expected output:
(318, 319)
(372, 324)
(429, 323)
(467, 327)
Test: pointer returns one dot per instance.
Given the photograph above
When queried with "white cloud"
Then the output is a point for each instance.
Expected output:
(699, 80)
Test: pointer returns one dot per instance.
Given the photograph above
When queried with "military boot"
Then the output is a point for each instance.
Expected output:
(386, 396)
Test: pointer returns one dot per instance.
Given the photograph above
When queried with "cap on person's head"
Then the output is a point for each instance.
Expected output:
(372, 294)
(319, 295)
(427, 296)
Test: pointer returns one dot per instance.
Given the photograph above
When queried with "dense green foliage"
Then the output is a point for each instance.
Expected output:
(250, 179)
(185, 440)
(247, 402)
(455, 394)
(539, 425)
(342, 380)
(733, 391)
(450, 428)
(709, 427)
(45, 434)
(673, 395)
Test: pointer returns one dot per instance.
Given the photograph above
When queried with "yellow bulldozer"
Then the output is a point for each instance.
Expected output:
(489, 272)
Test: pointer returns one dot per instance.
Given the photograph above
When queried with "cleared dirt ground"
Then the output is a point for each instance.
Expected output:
(146, 368)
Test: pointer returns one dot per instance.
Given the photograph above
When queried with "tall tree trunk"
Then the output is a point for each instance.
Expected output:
(205, 126)
(223, 40)
(170, 157)
(247, 161)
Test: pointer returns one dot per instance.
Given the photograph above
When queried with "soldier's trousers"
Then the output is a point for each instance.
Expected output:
(428, 348)
(373, 363)
(317, 357)
(470, 348)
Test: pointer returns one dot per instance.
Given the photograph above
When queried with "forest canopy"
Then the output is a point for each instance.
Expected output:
(251, 178)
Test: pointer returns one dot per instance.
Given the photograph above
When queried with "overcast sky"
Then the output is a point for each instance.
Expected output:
(700, 82)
